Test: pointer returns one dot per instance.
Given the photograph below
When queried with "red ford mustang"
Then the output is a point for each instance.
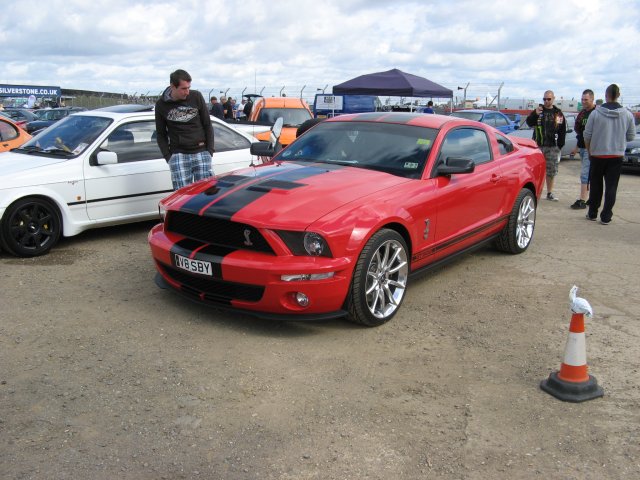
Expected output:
(340, 220)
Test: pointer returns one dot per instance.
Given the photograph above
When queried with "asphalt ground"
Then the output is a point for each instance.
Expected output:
(103, 375)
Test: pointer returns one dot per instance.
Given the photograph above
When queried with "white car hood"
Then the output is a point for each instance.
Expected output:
(12, 163)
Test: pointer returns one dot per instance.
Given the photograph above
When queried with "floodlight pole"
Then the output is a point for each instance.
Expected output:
(464, 99)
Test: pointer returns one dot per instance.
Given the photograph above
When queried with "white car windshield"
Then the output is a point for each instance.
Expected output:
(70, 136)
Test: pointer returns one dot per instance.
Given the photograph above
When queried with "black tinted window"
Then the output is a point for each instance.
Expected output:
(133, 142)
(396, 149)
(466, 143)
(504, 144)
(225, 139)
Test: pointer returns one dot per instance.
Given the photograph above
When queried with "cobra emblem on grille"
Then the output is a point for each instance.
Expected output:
(247, 238)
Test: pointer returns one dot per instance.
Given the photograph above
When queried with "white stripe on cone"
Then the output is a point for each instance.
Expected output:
(575, 352)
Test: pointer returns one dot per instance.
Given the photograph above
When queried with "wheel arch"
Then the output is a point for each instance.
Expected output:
(56, 202)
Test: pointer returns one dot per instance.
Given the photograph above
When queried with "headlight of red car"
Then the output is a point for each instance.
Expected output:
(305, 243)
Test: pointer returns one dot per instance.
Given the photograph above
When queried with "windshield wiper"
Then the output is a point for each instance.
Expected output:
(57, 151)
(30, 149)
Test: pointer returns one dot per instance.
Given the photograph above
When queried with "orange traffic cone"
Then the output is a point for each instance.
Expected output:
(573, 382)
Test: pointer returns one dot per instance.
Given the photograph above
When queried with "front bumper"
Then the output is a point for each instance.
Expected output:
(631, 161)
(251, 282)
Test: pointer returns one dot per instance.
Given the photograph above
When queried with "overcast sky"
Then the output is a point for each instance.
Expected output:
(131, 46)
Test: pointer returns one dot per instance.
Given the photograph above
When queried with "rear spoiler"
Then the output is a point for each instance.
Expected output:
(524, 142)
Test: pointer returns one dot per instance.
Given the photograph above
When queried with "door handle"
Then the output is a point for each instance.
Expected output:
(495, 178)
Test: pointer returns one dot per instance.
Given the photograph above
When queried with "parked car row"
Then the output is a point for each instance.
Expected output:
(336, 224)
(489, 117)
(50, 116)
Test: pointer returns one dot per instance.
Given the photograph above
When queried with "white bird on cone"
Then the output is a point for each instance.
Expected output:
(579, 305)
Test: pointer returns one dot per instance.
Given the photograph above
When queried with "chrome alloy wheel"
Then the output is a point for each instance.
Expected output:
(386, 279)
(526, 222)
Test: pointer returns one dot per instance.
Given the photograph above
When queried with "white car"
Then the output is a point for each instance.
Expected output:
(93, 169)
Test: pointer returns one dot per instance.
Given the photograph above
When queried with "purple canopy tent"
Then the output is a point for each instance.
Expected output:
(392, 83)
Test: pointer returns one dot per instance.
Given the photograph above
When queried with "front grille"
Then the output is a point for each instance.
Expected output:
(217, 291)
(217, 231)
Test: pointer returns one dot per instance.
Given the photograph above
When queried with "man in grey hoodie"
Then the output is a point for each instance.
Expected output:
(606, 134)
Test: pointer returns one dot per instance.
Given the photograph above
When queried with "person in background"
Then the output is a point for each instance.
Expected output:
(581, 122)
(216, 108)
(549, 131)
(228, 108)
(223, 102)
(606, 134)
(234, 108)
(429, 108)
(184, 131)
(248, 107)
(240, 115)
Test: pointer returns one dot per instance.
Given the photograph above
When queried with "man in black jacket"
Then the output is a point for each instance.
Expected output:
(184, 132)
(549, 131)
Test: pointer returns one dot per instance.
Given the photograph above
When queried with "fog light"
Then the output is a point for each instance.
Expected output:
(302, 299)
(299, 277)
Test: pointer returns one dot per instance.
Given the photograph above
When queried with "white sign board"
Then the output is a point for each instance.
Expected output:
(329, 102)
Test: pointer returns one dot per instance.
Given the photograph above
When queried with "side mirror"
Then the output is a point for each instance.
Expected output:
(107, 158)
(276, 130)
(263, 149)
(454, 165)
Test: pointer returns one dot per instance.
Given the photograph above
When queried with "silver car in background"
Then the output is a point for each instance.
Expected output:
(525, 131)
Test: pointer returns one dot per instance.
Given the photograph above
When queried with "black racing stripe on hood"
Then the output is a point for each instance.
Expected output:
(222, 186)
(268, 185)
(228, 206)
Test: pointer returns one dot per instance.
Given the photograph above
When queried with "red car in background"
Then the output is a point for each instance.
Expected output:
(343, 217)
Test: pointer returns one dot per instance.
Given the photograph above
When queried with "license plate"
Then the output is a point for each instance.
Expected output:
(193, 266)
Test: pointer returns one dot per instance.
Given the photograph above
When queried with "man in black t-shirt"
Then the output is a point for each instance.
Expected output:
(549, 131)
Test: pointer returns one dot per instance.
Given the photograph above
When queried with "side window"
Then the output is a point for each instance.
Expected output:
(225, 139)
(501, 121)
(466, 143)
(504, 144)
(133, 142)
(7, 131)
(489, 119)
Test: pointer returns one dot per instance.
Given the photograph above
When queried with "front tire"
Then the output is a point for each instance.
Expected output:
(379, 280)
(518, 232)
(31, 227)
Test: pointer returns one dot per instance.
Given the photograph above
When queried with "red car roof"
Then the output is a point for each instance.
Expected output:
(417, 119)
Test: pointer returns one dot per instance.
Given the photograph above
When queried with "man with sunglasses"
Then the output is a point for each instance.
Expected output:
(549, 131)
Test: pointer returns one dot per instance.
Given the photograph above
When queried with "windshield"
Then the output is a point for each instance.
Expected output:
(293, 117)
(400, 150)
(72, 135)
(468, 115)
